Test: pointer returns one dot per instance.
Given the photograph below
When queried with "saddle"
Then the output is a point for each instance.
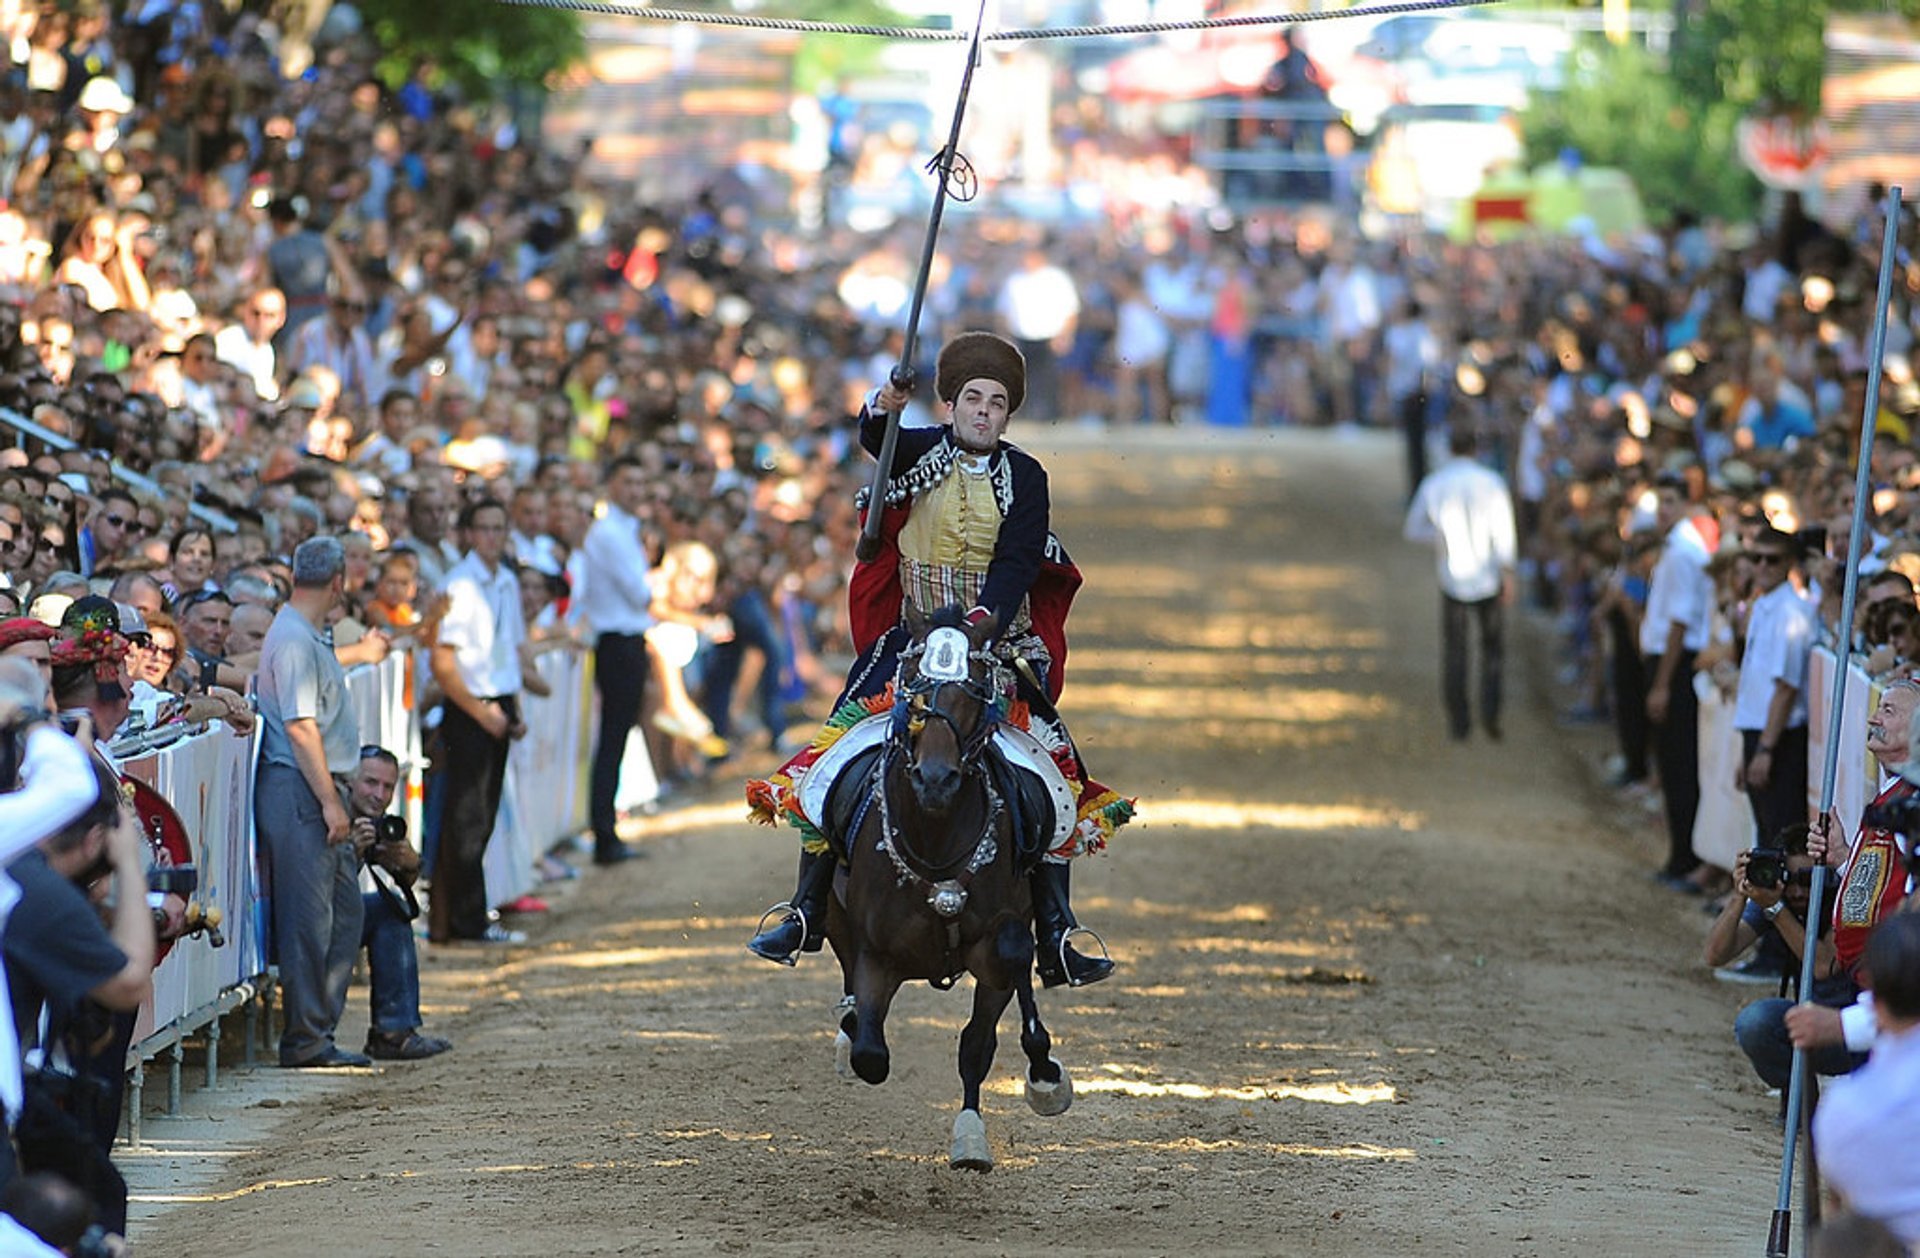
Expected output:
(838, 788)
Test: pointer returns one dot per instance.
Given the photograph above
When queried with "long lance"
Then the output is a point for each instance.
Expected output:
(1782, 1227)
(868, 546)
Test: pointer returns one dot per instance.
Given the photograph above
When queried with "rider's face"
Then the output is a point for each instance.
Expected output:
(979, 415)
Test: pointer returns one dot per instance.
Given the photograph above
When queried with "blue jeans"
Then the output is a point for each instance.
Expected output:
(719, 666)
(1761, 1032)
(393, 965)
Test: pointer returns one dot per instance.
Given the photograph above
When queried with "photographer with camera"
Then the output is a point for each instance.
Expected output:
(1770, 901)
(390, 909)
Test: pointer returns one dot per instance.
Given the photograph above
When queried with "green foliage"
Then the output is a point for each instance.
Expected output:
(1752, 52)
(1621, 108)
(823, 60)
(1765, 54)
(486, 48)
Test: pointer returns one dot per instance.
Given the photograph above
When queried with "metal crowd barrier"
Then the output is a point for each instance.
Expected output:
(208, 778)
(25, 430)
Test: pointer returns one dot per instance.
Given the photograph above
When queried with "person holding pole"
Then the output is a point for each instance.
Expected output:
(966, 523)
(1876, 878)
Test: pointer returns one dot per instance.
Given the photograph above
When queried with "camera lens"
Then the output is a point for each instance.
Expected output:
(393, 829)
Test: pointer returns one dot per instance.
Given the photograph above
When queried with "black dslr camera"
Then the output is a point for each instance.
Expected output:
(1767, 869)
(390, 829)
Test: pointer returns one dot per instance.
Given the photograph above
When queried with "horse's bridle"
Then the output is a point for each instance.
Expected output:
(919, 703)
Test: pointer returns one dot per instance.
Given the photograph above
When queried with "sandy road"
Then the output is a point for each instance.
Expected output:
(1381, 994)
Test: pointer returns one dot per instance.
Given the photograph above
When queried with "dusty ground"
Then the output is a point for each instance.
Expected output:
(1381, 994)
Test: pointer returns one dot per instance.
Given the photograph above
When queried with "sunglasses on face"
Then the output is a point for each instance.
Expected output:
(121, 521)
(1763, 558)
(140, 641)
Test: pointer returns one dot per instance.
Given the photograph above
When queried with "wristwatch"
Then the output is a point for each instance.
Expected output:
(1774, 910)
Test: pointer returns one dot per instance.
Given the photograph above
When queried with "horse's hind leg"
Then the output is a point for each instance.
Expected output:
(845, 1018)
(1049, 1087)
(978, 1041)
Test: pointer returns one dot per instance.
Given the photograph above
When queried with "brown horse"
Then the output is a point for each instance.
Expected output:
(931, 887)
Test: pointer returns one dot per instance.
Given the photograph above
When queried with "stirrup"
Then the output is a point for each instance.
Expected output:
(1066, 936)
(787, 911)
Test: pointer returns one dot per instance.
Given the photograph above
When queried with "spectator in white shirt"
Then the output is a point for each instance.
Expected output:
(1466, 511)
(477, 663)
(1674, 628)
(617, 608)
(1040, 306)
(247, 346)
(1770, 705)
(1868, 1124)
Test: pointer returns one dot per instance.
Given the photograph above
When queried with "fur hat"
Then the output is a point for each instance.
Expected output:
(981, 356)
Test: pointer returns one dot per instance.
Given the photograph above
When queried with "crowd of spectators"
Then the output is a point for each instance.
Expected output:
(1679, 416)
(248, 310)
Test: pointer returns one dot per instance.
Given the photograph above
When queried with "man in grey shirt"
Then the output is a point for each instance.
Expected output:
(308, 739)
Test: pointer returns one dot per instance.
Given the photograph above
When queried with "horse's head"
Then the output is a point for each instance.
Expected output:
(947, 703)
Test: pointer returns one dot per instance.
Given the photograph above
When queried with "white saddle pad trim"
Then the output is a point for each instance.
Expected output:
(1025, 750)
(817, 781)
(1022, 748)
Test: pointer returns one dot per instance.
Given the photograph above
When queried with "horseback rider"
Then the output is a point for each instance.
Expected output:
(965, 524)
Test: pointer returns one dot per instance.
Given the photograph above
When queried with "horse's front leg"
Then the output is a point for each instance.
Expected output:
(978, 1041)
(1049, 1087)
(873, 988)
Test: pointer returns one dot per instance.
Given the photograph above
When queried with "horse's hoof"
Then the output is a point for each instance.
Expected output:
(870, 1066)
(1049, 1099)
(970, 1152)
(843, 1057)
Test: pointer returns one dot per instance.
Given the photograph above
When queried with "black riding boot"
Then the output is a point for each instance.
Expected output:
(1052, 920)
(779, 943)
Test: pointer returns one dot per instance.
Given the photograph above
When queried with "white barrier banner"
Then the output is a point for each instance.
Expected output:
(545, 795)
(208, 779)
(1856, 775)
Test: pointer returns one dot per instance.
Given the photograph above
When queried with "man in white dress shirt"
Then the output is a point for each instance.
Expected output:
(476, 661)
(1770, 706)
(1868, 1124)
(1679, 610)
(1466, 511)
(617, 606)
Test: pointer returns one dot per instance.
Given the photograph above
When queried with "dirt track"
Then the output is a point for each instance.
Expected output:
(1381, 994)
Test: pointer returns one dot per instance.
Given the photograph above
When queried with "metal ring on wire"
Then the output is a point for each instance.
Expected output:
(963, 182)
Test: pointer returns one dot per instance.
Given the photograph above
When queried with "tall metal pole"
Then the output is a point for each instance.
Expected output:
(902, 377)
(1779, 1235)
